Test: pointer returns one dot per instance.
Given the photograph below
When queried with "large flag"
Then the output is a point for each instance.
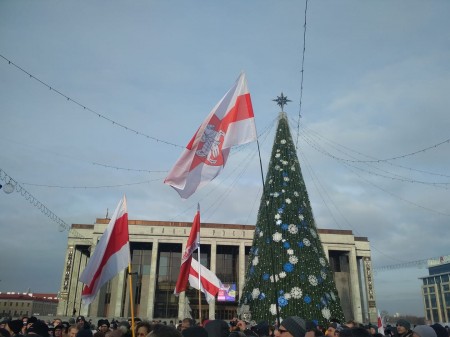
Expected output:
(111, 256)
(231, 122)
(210, 283)
(192, 244)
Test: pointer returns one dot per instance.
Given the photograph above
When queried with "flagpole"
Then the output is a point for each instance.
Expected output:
(199, 273)
(131, 299)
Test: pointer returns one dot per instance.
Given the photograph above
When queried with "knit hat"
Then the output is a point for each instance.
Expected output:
(424, 331)
(404, 323)
(15, 325)
(295, 325)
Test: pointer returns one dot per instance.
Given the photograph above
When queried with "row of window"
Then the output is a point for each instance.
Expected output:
(17, 304)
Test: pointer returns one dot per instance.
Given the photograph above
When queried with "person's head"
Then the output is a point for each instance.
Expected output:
(403, 326)
(161, 330)
(331, 329)
(186, 323)
(14, 327)
(293, 326)
(217, 328)
(440, 330)
(39, 328)
(195, 331)
(72, 331)
(143, 329)
(424, 331)
(103, 325)
(57, 321)
(58, 330)
(373, 329)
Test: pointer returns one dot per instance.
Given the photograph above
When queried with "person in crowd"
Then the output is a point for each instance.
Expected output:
(72, 331)
(14, 327)
(57, 321)
(103, 325)
(143, 328)
(331, 329)
(187, 323)
(58, 330)
(195, 331)
(217, 328)
(440, 330)
(161, 330)
(82, 323)
(293, 326)
(354, 332)
(404, 328)
(373, 329)
(4, 333)
(38, 328)
(236, 333)
(84, 333)
(424, 331)
(261, 329)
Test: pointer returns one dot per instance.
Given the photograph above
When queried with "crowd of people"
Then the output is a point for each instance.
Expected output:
(293, 326)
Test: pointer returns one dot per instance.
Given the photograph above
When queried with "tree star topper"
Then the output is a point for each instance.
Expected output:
(281, 101)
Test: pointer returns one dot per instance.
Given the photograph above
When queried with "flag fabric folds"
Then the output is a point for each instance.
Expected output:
(380, 324)
(231, 122)
(210, 283)
(192, 244)
(111, 255)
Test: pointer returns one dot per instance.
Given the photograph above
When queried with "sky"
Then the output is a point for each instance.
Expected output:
(100, 97)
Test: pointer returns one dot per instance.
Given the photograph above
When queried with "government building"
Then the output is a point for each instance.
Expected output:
(436, 290)
(156, 249)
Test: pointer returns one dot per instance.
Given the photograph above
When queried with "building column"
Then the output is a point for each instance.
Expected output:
(370, 290)
(118, 289)
(183, 312)
(212, 305)
(354, 286)
(153, 279)
(241, 268)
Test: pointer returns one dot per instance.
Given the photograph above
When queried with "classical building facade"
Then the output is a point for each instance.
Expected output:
(27, 304)
(156, 248)
(436, 290)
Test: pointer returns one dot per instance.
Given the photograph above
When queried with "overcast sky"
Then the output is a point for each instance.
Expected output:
(376, 87)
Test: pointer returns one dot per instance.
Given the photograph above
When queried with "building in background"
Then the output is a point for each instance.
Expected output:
(436, 290)
(27, 304)
(156, 248)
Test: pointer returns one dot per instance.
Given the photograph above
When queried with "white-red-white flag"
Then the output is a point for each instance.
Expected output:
(380, 324)
(231, 122)
(210, 283)
(111, 256)
(192, 244)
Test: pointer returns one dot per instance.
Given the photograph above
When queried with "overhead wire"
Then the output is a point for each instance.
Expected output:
(86, 108)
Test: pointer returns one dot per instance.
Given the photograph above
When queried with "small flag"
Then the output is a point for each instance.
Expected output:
(231, 122)
(192, 244)
(210, 283)
(111, 255)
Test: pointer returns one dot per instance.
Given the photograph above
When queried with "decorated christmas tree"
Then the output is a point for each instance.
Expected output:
(287, 264)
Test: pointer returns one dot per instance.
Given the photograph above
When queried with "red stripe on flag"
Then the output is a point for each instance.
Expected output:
(208, 286)
(118, 238)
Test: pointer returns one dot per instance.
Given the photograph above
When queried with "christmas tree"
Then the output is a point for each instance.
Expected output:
(287, 264)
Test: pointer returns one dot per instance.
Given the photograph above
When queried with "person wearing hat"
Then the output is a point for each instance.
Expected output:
(39, 328)
(293, 326)
(14, 327)
(424, 331)
(103, 325)
(404, 328)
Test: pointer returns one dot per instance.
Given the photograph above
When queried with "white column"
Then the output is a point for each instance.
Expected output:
(354, 286)
(153, 277)
(182, 298)
(241, 268)
(212, 305)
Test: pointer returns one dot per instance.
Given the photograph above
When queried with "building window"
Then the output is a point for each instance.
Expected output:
(169, 261)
